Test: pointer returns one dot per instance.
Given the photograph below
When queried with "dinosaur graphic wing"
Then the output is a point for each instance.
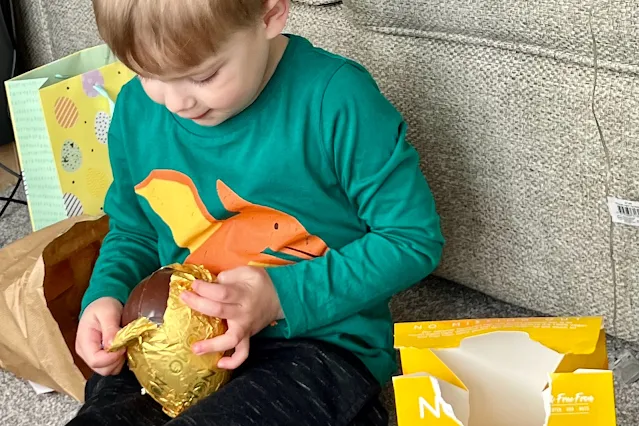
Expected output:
(174, 198)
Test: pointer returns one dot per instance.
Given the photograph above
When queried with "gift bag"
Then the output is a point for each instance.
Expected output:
(42, 281)
(61, 114)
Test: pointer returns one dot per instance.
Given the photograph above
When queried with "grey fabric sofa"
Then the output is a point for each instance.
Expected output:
(527, 118)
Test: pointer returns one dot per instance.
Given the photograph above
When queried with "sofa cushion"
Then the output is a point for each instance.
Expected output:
(561, 26)
(52, 29)
(516, 162)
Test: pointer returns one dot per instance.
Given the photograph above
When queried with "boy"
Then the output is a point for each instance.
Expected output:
(279, 167)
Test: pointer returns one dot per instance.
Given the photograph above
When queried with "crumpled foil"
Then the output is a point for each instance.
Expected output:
(161, 357)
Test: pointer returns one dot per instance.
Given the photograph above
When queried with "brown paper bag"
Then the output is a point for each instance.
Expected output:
(42, 280)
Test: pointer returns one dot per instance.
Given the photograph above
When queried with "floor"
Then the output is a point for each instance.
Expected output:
(9, 158)
(433, 300)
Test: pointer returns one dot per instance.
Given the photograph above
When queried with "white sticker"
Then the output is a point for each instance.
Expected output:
(39, 389)
(624, 211)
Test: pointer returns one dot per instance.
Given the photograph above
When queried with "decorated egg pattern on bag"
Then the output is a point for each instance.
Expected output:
(66, 112)
(102, 124)
(71, 156)
(90, 80)
(72, 205)
(97, 182)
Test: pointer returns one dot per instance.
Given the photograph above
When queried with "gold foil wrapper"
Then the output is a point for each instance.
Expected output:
(161, 357)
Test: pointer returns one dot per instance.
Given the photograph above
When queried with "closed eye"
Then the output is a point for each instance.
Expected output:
(205, 81)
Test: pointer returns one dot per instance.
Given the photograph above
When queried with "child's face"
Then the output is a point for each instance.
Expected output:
(221, 87)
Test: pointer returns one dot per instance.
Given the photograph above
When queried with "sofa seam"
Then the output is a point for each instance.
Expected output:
(327, 4)
(523, 48)
(608, 178)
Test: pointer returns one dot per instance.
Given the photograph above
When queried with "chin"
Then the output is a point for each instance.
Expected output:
(211, 121)
(215, 119)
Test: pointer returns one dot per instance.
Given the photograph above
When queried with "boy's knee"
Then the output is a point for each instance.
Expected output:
(123, 383)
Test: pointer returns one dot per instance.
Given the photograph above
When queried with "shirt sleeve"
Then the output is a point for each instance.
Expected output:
(129, 252)
(365, 139)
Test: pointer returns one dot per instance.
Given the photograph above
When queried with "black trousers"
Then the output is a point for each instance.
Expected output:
(296, 382)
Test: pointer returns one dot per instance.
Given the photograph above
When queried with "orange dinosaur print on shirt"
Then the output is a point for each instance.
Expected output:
(246, 238)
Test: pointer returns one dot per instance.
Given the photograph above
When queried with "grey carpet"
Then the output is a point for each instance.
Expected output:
(433, 300)
(14, 224)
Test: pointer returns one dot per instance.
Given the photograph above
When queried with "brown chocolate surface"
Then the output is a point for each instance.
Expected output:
(148, 299)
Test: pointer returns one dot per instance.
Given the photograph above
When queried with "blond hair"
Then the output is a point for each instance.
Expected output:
(153, 37)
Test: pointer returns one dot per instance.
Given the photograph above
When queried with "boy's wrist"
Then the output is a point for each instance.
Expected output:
(92, 295)
(277, 310)
(277, 318)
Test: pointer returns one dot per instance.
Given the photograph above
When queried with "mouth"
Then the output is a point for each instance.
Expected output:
(310, 247)
(302, 252)
(199, 117)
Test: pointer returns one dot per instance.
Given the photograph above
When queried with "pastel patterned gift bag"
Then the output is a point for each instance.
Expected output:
(61, 114)
(78, 115)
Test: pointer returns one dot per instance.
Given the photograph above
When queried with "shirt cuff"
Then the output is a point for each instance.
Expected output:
(286, 285)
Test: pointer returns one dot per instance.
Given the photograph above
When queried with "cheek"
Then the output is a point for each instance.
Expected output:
(154, 92)
(229, 94)
(247, 82)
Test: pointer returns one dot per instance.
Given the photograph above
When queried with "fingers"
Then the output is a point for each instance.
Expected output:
(112, 369)
(210, 307)
(108, 334)
(217, 292)
(89, 348)
(104, 359)
(95, 333)
(229, 340)
(234, 338)
(109, 325)
(238, 358)
(88, 340)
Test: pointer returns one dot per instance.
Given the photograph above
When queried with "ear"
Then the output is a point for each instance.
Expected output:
(230, 200)
(275, 16)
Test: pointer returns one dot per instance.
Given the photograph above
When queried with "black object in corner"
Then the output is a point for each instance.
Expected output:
(7, 65)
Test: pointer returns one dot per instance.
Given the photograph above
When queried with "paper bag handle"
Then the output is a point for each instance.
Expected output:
(104, 94)
(97, 88)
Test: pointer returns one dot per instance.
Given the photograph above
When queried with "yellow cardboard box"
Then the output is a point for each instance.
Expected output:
(504, 372)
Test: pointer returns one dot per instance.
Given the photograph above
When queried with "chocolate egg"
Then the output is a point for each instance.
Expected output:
(158, 332)
(149, 298)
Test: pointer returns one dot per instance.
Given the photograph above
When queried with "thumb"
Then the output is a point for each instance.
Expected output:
(243, 273)
(109, 325)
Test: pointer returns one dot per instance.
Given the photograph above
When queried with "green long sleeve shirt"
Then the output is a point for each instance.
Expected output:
(315, 181)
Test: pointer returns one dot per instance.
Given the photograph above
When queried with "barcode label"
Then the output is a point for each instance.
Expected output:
(624, 211)
(628, 211)
(24, 183)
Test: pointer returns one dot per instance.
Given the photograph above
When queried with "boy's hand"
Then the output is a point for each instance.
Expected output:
(98, 326)
(247, 299)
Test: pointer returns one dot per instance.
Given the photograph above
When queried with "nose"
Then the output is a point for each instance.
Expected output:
(176, 100)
